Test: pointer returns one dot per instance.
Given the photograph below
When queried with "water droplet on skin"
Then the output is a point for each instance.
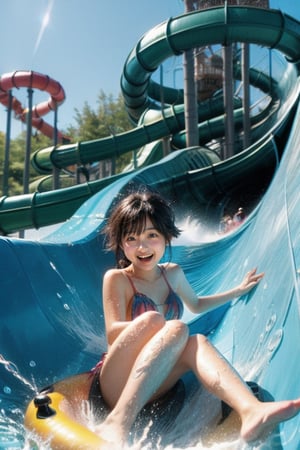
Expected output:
(32, 363)
(7, 390)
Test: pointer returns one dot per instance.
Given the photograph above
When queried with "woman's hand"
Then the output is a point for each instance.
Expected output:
(205, 303)
(250, 280)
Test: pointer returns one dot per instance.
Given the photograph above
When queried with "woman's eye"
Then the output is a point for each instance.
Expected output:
(130, 239)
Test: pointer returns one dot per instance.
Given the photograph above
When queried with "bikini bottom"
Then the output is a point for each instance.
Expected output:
(160, 412)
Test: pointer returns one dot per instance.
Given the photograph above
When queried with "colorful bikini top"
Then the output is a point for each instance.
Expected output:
(140, 303)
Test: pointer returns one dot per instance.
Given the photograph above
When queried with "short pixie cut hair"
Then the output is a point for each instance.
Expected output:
(129, 217)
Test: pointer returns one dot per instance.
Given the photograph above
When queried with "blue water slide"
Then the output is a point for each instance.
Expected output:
(51, 323)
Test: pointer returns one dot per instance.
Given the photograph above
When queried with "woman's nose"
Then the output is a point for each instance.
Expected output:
(141, 244)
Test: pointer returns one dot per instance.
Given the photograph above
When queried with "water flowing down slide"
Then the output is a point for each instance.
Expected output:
(52, 320)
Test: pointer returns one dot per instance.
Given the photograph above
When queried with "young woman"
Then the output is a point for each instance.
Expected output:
(149, 347)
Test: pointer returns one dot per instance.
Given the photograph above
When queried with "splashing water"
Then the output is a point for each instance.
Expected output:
(187, 432)
(13, 369)
(193, 231)
(180, 440)
(12, 432)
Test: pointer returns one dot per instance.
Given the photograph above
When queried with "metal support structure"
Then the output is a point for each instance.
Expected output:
(228, 82)
(166, 139)
(228, 101)
(190, 94)
(7, 147)
(56, 170)
(26, 172)
(246, 93)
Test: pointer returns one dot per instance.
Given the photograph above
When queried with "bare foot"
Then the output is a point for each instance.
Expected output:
(111, 434)
(260, 422)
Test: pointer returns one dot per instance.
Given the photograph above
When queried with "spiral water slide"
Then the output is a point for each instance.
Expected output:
(51, 322)
(219, 25)
(33, 80)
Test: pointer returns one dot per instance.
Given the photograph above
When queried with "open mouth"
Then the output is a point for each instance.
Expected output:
(145, 257)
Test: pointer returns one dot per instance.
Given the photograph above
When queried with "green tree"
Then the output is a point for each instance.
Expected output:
(110, 118)
(17, 149)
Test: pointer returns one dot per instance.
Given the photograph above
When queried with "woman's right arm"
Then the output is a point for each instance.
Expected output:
(114, 303)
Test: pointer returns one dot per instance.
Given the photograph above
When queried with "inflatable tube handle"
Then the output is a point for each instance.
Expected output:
(44, 411)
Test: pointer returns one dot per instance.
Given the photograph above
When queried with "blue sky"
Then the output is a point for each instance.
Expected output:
(83, 45)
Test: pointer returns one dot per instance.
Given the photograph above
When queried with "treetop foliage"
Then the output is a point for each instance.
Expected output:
(108, 119)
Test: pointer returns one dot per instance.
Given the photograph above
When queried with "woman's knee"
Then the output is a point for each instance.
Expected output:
(197, 341)
(178, 329)
(201, 339)
(181, 327)
(150, 320)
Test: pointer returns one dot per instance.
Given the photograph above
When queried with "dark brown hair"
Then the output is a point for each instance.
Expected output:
(130, 215)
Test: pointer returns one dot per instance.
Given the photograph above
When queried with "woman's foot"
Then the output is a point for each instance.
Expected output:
(111, 433)
(260, 422)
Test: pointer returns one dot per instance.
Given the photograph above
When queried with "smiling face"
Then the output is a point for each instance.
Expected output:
(144, 250)
(131, 218)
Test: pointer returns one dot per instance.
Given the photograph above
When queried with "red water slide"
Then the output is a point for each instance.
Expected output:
(34, 80)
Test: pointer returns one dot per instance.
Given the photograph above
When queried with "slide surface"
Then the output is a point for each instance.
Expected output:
(51, 324)
(50, 297)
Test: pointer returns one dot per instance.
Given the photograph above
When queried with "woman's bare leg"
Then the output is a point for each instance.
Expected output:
(219, 377)
(123, 353)
(152, 365)
(211, 368)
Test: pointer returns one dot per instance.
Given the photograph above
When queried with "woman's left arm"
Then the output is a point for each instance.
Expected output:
(204, 303)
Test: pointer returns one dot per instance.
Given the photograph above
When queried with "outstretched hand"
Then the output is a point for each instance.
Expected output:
(250, 280)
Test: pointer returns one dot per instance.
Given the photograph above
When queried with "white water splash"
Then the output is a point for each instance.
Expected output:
(193, 231)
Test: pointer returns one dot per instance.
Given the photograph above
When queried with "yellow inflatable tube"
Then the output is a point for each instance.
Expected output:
(45, 417)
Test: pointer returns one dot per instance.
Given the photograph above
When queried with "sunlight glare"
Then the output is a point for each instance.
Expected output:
(45, 22)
